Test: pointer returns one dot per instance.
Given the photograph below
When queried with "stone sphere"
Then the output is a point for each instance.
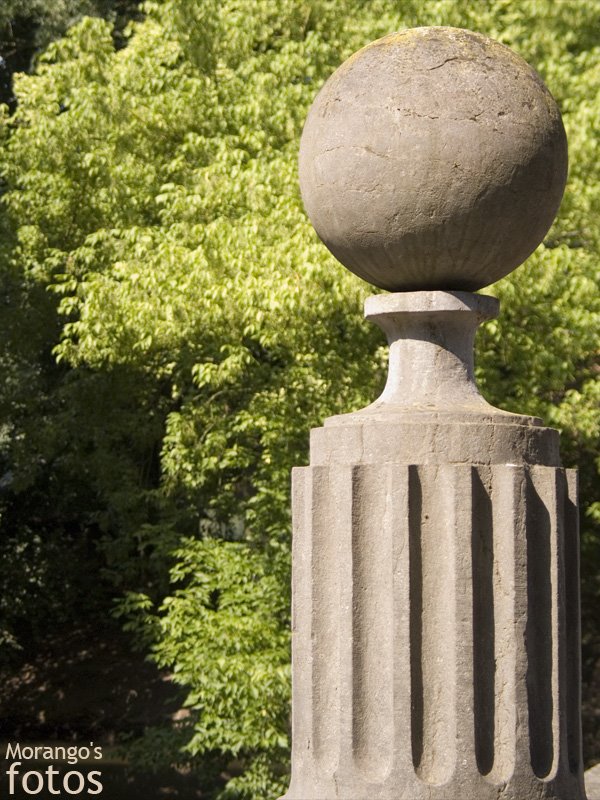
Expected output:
(434, 158)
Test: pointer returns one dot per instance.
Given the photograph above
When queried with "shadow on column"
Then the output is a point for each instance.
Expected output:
(415, 507)
(484, 634)
(539, 631)
(573, 617)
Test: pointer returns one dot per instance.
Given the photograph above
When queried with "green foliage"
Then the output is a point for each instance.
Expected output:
(232, 601)
(28, 26)
(38, 22)
(174, 328)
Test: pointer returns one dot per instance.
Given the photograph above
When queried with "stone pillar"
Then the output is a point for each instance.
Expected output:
(435, 545)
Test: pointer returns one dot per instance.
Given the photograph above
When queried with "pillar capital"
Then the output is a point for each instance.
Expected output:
(431, 337)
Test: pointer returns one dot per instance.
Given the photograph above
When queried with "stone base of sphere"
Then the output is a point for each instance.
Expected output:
(435, 611)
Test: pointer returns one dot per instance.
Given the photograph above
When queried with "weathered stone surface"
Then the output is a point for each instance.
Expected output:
(435, 627)
(434, 158)
(592, 783)
(435, 548)
(431, 397)
(435, 585)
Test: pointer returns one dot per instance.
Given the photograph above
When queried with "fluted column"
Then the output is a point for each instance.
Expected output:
(432, 666)
(435, 633)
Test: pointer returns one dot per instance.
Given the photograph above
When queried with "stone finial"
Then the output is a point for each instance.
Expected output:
(434, 158)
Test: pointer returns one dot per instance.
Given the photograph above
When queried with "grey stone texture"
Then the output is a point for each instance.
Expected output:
(434, 158)
(436, 641)
(592, 783)
(435, 585)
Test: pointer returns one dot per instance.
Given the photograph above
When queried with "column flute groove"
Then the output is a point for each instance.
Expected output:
(372, 579)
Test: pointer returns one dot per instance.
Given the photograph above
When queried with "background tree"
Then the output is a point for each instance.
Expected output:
(28, 26)
(173, 328)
